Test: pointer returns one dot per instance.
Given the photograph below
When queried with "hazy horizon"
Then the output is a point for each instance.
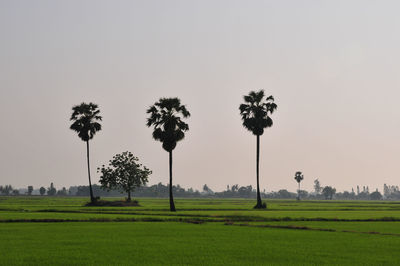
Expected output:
(331, 66)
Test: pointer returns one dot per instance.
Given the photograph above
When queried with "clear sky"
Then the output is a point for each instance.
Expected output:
(333, 67)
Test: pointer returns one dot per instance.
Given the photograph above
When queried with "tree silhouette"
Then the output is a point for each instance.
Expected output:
(298, 177)
(42, 191)
(328, 192)
(30, 190)
(376, 195)
(85, 119)
(317, 186)
(166, 118)
(124, 173)
(255, 114)
(51, 191)
(6, 190)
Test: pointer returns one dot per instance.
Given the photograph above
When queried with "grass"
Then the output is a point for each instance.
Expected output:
(182, 244)
(44, 230)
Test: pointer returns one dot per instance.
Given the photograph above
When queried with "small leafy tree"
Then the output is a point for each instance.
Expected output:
(298, 177)
(317, 186)
(376, 195)
(235, 188)
(303, 194)
(62, 192)
(42, 191)
(30, 190)
(51, 191)
(124, 173)
(328, 192)
(207, 189)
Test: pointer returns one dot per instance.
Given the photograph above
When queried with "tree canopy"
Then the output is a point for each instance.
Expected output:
(51, 191)
(85, 119)
(298, 177)
(124, 173)
(256, 112)
(328, 192)
(166, 118)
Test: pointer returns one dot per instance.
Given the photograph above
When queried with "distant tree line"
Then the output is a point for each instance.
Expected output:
(160, 190)
(8, 190)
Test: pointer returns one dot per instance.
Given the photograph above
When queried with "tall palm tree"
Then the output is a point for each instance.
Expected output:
(166, 118)
(298, 177)
(85, 119)
(255, 114)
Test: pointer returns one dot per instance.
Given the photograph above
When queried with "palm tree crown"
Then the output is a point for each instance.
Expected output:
(298, 177)
(85, 117)
(255, 112)
(166, 117)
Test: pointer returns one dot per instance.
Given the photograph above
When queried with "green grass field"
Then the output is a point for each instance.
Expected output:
(48, 231)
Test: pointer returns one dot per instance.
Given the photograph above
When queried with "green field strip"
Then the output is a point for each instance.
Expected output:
(172, 243)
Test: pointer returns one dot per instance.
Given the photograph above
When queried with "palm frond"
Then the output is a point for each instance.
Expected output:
(166, 118)
(256, 111)
(85, 117)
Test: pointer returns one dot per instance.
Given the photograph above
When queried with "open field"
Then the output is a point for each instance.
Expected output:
(44, 230)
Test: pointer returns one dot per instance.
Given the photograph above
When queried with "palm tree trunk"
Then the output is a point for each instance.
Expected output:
(259, 203)
(298, 193)
(171, 197)
(88, 165)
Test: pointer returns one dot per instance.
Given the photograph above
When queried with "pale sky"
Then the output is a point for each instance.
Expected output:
(332, 66)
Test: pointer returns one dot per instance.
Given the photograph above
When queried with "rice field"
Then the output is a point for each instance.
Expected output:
(62, 231)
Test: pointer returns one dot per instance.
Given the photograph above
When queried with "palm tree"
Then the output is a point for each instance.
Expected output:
(85, 119)
(255, 114)
(166, 118)
(298, 177)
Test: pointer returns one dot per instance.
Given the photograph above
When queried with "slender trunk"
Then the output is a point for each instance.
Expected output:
(129, 196)
(298, 192)
(171, 197)
(88, 165)
(259, 203)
